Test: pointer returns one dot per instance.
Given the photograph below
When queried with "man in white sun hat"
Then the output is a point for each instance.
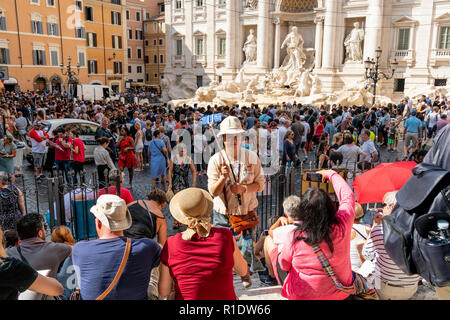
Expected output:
(114, 267)
(235, 176)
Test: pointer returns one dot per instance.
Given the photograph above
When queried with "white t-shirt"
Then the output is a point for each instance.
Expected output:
(434, 118)
(281, 133)
(200, 143)
(358, 231)
(281, 235)
(368, 147)
(307, 127)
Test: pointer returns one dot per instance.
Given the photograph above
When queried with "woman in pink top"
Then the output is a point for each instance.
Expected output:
(78, 149)
(320, 224)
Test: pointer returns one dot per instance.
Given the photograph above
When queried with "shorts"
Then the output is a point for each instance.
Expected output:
(280, 274)
(411, 137)
(431, 132)
(38, 160)
(7, 165)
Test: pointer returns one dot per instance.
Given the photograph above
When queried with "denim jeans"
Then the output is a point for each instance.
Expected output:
(63, 165)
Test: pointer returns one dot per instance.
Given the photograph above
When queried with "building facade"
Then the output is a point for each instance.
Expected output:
(105, 25)
(135, 15)
(36, 37)
(155, 50)
(205, 39)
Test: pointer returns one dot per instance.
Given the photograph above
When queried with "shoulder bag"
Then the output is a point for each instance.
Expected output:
(359, 288)
(76, 294)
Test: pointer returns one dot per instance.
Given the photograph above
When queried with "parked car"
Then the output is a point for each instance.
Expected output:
(87, 134)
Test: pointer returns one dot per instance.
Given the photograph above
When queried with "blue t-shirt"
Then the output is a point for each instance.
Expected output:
(251, 122)
(331, 130)
(265, 118)
(413, 124)
(96, 263)
(156, 148)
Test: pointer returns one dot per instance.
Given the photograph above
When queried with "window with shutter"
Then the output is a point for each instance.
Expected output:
(161, 58)
(139, 53)
(81, 61)
(444, 39)
(403, 39)
(54, 58)
(120, 41)
(4, 56)
(3, 23)
(179, 47)
(113, 41)
(155, 58)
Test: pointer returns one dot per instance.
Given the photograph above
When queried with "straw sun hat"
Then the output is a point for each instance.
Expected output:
(230, 125)
(193, 207)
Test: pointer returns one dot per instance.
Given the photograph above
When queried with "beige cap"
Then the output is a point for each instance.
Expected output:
(112, 211)
(231, 125)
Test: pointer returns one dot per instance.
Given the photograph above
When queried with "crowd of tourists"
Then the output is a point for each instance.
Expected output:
(133, 258)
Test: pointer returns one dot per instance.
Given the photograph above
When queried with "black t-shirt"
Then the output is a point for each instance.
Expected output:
(15, 276)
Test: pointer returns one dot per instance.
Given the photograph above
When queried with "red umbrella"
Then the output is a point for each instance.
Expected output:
(372, 185)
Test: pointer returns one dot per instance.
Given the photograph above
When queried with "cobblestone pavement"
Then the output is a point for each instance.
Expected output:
(141, 187)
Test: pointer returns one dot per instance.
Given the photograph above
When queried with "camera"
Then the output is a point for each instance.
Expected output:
(314, 177)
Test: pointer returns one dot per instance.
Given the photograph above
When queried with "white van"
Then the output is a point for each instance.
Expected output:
(93, 92)
(87, 134)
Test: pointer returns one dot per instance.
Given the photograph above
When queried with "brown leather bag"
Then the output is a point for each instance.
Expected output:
(243, 222)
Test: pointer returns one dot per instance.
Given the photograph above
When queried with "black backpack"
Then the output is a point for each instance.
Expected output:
(421, 202)
(148, 134)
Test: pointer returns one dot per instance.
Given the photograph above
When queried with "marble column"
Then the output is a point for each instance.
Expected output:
(188, 45)
(262, 36)
(276, 54)
(329, 34)
(319, 41)
(231, 31)
(374, 23)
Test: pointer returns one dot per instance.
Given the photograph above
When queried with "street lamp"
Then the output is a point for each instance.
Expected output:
(372, 66)
(70, 73)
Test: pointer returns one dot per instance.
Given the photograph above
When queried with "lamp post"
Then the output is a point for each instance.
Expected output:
(372, 72)
(70, 73)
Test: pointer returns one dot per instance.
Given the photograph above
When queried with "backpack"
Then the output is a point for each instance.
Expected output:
(421, 202)
(148, 135)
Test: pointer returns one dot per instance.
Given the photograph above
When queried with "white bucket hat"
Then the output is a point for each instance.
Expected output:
(231, 125)
(112, 211)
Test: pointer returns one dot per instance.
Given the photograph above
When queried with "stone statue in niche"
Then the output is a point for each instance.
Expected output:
(295, 57)
(352, 43)
(251, 4)
(250, 48)
(293, 63)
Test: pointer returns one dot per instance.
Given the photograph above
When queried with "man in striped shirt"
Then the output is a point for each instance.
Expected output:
(392, 283)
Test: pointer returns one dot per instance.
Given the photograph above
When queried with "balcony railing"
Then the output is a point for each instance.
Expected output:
(408, 56)
(440, 55)
(199, 59)
(178, 59)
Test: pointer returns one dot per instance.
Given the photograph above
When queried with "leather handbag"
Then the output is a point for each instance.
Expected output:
(76, 294)
(243, 222)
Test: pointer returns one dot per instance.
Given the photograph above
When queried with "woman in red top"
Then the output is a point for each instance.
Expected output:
(78, 150)
(126, 158)
(318, 131)
(200, 260)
